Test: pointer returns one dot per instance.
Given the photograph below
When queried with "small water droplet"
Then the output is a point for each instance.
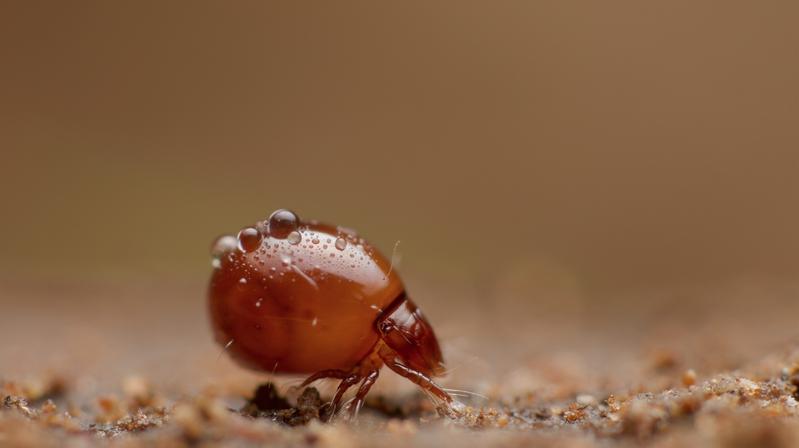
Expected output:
(243, 281)
(285, 260)
(221, 246)
(315, 240)
(258, 302)
(341, 243)
(347, 231)
(282, 222)
(294, 237)
(314, 321)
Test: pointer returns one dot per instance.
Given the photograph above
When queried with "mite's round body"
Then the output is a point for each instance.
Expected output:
(304, 307)
(293, 297)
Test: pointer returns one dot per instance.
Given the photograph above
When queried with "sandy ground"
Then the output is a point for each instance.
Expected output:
(556, 172)
(128, 363)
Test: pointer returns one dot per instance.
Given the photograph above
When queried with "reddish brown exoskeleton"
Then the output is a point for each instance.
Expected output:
(293, 297)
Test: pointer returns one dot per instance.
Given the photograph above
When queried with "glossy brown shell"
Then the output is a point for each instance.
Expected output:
(304, 307)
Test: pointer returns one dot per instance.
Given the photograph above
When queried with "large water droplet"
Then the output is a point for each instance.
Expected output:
(294, 237)
(341, 243)
(221, 246)
(249, 239)
(282, 222)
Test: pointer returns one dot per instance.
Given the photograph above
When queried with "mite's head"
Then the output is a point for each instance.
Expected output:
(405, 330)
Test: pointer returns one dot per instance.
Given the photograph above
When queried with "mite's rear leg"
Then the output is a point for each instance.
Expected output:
(367, 384)
(345, 384)
(331, 373)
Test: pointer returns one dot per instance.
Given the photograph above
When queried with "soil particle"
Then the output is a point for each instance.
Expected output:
(267, 403)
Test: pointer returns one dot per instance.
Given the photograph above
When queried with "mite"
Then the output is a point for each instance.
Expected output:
(297, 297)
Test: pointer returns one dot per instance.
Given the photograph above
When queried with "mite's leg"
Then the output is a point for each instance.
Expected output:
(367, 384)
(332, 373)
(345, 384)
(416, 377)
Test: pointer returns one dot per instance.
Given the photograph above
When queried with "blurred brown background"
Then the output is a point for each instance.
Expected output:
(585, 149)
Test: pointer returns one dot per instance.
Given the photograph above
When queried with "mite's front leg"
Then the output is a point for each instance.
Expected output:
(418, 378)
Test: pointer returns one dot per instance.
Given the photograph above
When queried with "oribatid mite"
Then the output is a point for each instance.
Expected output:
(309, 298)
